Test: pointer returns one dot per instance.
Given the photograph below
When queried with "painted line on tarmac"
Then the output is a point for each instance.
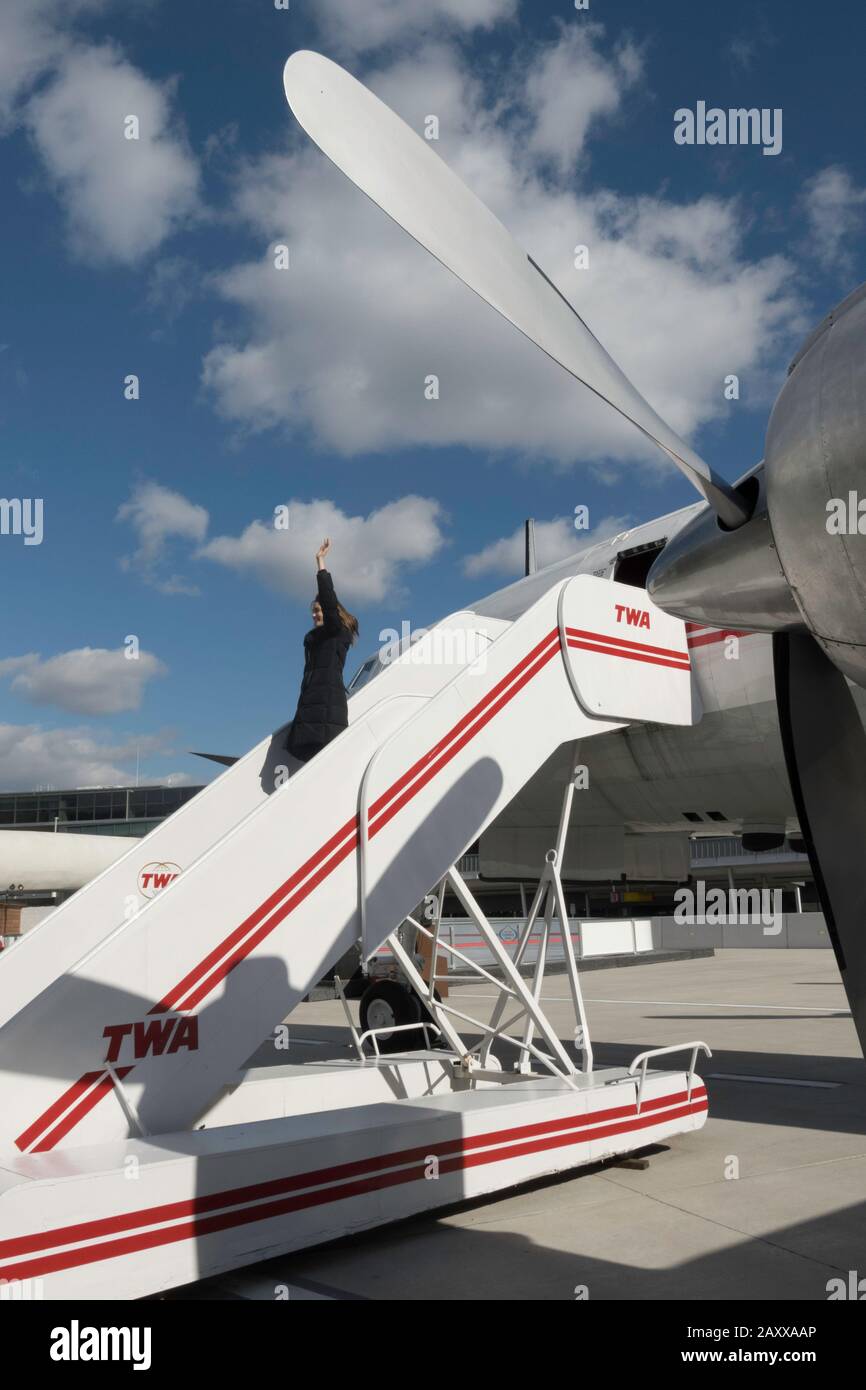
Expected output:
(689, 1004)
(827, 1010)
(769, 1080)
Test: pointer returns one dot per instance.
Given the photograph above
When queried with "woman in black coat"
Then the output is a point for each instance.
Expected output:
(322, 711)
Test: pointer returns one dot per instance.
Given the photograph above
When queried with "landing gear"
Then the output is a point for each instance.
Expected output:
(390, 1004)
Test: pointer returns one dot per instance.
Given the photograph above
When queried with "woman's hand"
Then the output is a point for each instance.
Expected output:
(322, 552)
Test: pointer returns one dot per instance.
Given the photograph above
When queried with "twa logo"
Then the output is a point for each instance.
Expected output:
(153, 1038)
(154, 877)
(633, 617)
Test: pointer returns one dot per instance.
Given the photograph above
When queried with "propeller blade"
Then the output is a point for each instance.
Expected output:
(405, 177)
(825, 751)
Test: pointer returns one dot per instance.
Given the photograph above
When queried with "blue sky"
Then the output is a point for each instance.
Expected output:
(262, 388)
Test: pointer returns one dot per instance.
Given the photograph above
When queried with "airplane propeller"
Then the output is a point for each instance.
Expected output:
(406, 178)
(759, 555)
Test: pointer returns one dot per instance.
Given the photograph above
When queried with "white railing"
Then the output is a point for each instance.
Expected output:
(643, 1058)
(390, 1028)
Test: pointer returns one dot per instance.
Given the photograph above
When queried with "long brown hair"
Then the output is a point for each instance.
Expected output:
(349, 620)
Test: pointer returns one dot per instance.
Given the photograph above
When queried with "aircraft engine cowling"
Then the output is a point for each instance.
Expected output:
(799, 562)
(722, 578)
(816, 482)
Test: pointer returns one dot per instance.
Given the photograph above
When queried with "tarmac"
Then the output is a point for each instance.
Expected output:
(766, 1202)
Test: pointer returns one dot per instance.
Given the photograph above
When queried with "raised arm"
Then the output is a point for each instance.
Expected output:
(331, 620)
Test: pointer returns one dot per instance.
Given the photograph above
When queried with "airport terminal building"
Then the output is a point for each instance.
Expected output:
(133, 811)
(93, 811)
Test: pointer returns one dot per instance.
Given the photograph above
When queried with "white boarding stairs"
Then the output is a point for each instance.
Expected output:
(126, 1020)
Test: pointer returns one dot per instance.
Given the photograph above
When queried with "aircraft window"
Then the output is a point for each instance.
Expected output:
(374, 664)
(364, 674)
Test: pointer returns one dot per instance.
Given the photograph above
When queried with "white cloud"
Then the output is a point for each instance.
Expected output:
(90, 680)
(342, 343)
(369, 553)
(122, 197)
(352, 27)
(571, 86)
(31, 756)
(554, 541)
(159, 516)
(744, 49)
(32, 37)
(28, 42)
(742, 53)
(174, 283)
(372, 551)
(835, 213)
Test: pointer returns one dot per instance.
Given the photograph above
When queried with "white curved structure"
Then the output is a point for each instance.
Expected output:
(39, 861)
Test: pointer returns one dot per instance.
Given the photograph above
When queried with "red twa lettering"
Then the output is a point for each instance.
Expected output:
(153, 1037)
(115, 1032)
(186, 1035)
(157, 880)
(634, 617)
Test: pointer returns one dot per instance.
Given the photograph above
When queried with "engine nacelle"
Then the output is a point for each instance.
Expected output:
(816, 478)
(708, 574)
(800, 560)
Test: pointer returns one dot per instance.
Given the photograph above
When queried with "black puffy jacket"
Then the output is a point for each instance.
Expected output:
(322, 706)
